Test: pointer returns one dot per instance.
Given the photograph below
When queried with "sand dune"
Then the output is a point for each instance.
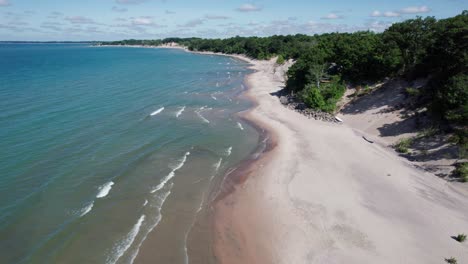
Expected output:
(325, 195)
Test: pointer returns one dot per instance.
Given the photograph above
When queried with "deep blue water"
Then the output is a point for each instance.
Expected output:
(96, 141)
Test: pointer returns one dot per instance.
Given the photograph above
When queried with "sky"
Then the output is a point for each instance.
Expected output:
(72, 20)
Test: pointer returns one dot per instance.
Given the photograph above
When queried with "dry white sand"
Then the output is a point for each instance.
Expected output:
(325, 195)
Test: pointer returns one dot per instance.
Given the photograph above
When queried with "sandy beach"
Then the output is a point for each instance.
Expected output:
(325, 195)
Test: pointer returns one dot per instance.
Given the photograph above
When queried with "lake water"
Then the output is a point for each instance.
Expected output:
(106, 149)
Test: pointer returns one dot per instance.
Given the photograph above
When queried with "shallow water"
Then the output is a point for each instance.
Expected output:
(108, 151)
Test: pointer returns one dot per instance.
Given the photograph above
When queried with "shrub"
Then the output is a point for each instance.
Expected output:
(313, 98)
(451, 260)
(460, 238)
(280, 60)
(412, 92)
(403, 145)
(461, 171)
(428, 132)
(325, 97)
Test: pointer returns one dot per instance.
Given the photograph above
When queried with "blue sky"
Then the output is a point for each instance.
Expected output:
(150, 19)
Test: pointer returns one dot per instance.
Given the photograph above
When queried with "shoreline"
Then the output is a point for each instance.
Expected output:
(324, 195)
(321, 194)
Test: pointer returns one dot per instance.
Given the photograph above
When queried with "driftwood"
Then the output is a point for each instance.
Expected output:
(370, 141)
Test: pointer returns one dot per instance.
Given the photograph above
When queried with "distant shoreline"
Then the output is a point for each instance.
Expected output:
(179, 47)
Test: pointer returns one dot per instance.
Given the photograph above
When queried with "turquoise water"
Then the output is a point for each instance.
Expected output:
(99, 145)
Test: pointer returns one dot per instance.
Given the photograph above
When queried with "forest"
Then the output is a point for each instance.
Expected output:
(328, 63)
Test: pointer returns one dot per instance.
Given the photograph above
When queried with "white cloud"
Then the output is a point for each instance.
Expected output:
(193, 23)
(415, 10)
(406, 10)
(142, 21)
(4, 3)
(248, 8)
(332, 16)
(80, 20)
(214, 17)
(377, 13)
(118, 9)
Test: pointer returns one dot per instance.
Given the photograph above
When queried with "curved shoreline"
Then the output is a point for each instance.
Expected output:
(321, 194)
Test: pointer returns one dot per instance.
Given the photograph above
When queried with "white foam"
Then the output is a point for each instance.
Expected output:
(122, 247)
(214, 98)
(161, 201)
(157, 111)
(218, 164)
(180, 112)
(104, 190)
(201, 116)
(228, 152)
(171, 174)
(86, 209)
(145, 203)
(240, 126)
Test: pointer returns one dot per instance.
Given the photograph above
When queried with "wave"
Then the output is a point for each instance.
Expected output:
(86, 209)
(145, 203)
(216, 167)
(171, 174)
(214, 98)
(200, 115)
(240, 126)
(161, 200)
(218, 164)
(124, 245)
(180, 112)
(228, 151)
(157, 111)
(105, 189)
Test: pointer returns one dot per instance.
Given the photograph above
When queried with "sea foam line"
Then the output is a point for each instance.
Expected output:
(200, 115)
(228, 151)
(216, 167)
(157, 111)
(240, 126)
(158, 218)
(105, 189)
(180, 112)
(218, 164)
(171, 174)
(87, 209)
(126, 243)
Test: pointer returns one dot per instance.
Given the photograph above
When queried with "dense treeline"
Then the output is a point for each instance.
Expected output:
(421, 47)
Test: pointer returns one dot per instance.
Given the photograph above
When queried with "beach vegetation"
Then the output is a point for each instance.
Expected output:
(461, 171)
(280, 60)
(412, 92)
(451, 260)
(323, 96)
(403, 145)
(460, 238)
